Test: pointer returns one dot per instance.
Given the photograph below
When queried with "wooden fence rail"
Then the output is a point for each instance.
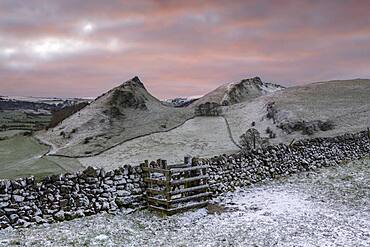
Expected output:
(177, 187)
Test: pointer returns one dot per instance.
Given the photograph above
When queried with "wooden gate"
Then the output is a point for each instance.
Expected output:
(175, 188)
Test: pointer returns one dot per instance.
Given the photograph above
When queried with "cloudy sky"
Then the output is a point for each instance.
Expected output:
(178, 48)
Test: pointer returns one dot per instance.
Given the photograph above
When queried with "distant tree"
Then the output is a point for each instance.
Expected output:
(252, 139)
(208, 109)
(59, 115)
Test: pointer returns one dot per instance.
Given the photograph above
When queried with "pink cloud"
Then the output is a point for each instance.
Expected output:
(179, 47)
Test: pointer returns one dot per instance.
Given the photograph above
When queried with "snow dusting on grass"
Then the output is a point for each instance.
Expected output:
(325, 208)
(197, 137)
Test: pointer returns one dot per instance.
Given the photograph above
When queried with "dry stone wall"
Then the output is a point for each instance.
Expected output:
(230, 172)
(25, 202)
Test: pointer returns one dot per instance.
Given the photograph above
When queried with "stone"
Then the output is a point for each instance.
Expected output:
(123, 193)
(55, 178)
(105, 195)
(50, 197)
(120, 187)
(89, 212)
(129, 186)
(37, 211)
(82, 202)
(113, 206)
(90, 172)
(4, 219)
(16, 185)
(76, 188)
(102, 173)
(137, 191)
(117, 171)
(105, 206)
(5, 186)
(63, 203)
(97, 191)
(117, 177)
(24, 223)
(125, 170)
(18, 199)
(69, 215)
(13, 218)
(120, 182)
(4, 204)
(65, 189)
(92, 180)
(59, 216)
(39, 220)
(4, 197)
(80, 213)
(123, 201)
(4, 225)
(10, 210)
(97, 206)
(109, 174)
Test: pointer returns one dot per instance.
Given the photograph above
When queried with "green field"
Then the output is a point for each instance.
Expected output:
(10, 133)
(18, 120)
(21, 156)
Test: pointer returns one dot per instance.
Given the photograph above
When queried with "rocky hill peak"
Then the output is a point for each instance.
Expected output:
(130, 94)
(134, 82)
(255, 80)
(236, 92)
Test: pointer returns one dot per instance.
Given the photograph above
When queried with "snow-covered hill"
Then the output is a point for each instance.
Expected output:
(120, 124)
(181, 101)
(237, 92)
(123, 113)
(303, 109)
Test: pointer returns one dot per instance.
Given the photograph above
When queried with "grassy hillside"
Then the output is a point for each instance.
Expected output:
(345, 103)
(19, 120)
(21, 156)
(124, 113)
(201, 136)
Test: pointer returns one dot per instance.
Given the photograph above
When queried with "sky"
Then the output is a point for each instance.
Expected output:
(178, 48)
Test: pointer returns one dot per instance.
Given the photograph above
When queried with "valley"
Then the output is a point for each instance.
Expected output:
(23, 156)
(128, 125)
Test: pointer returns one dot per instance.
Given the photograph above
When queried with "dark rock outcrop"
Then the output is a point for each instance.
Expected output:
(306, 127)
